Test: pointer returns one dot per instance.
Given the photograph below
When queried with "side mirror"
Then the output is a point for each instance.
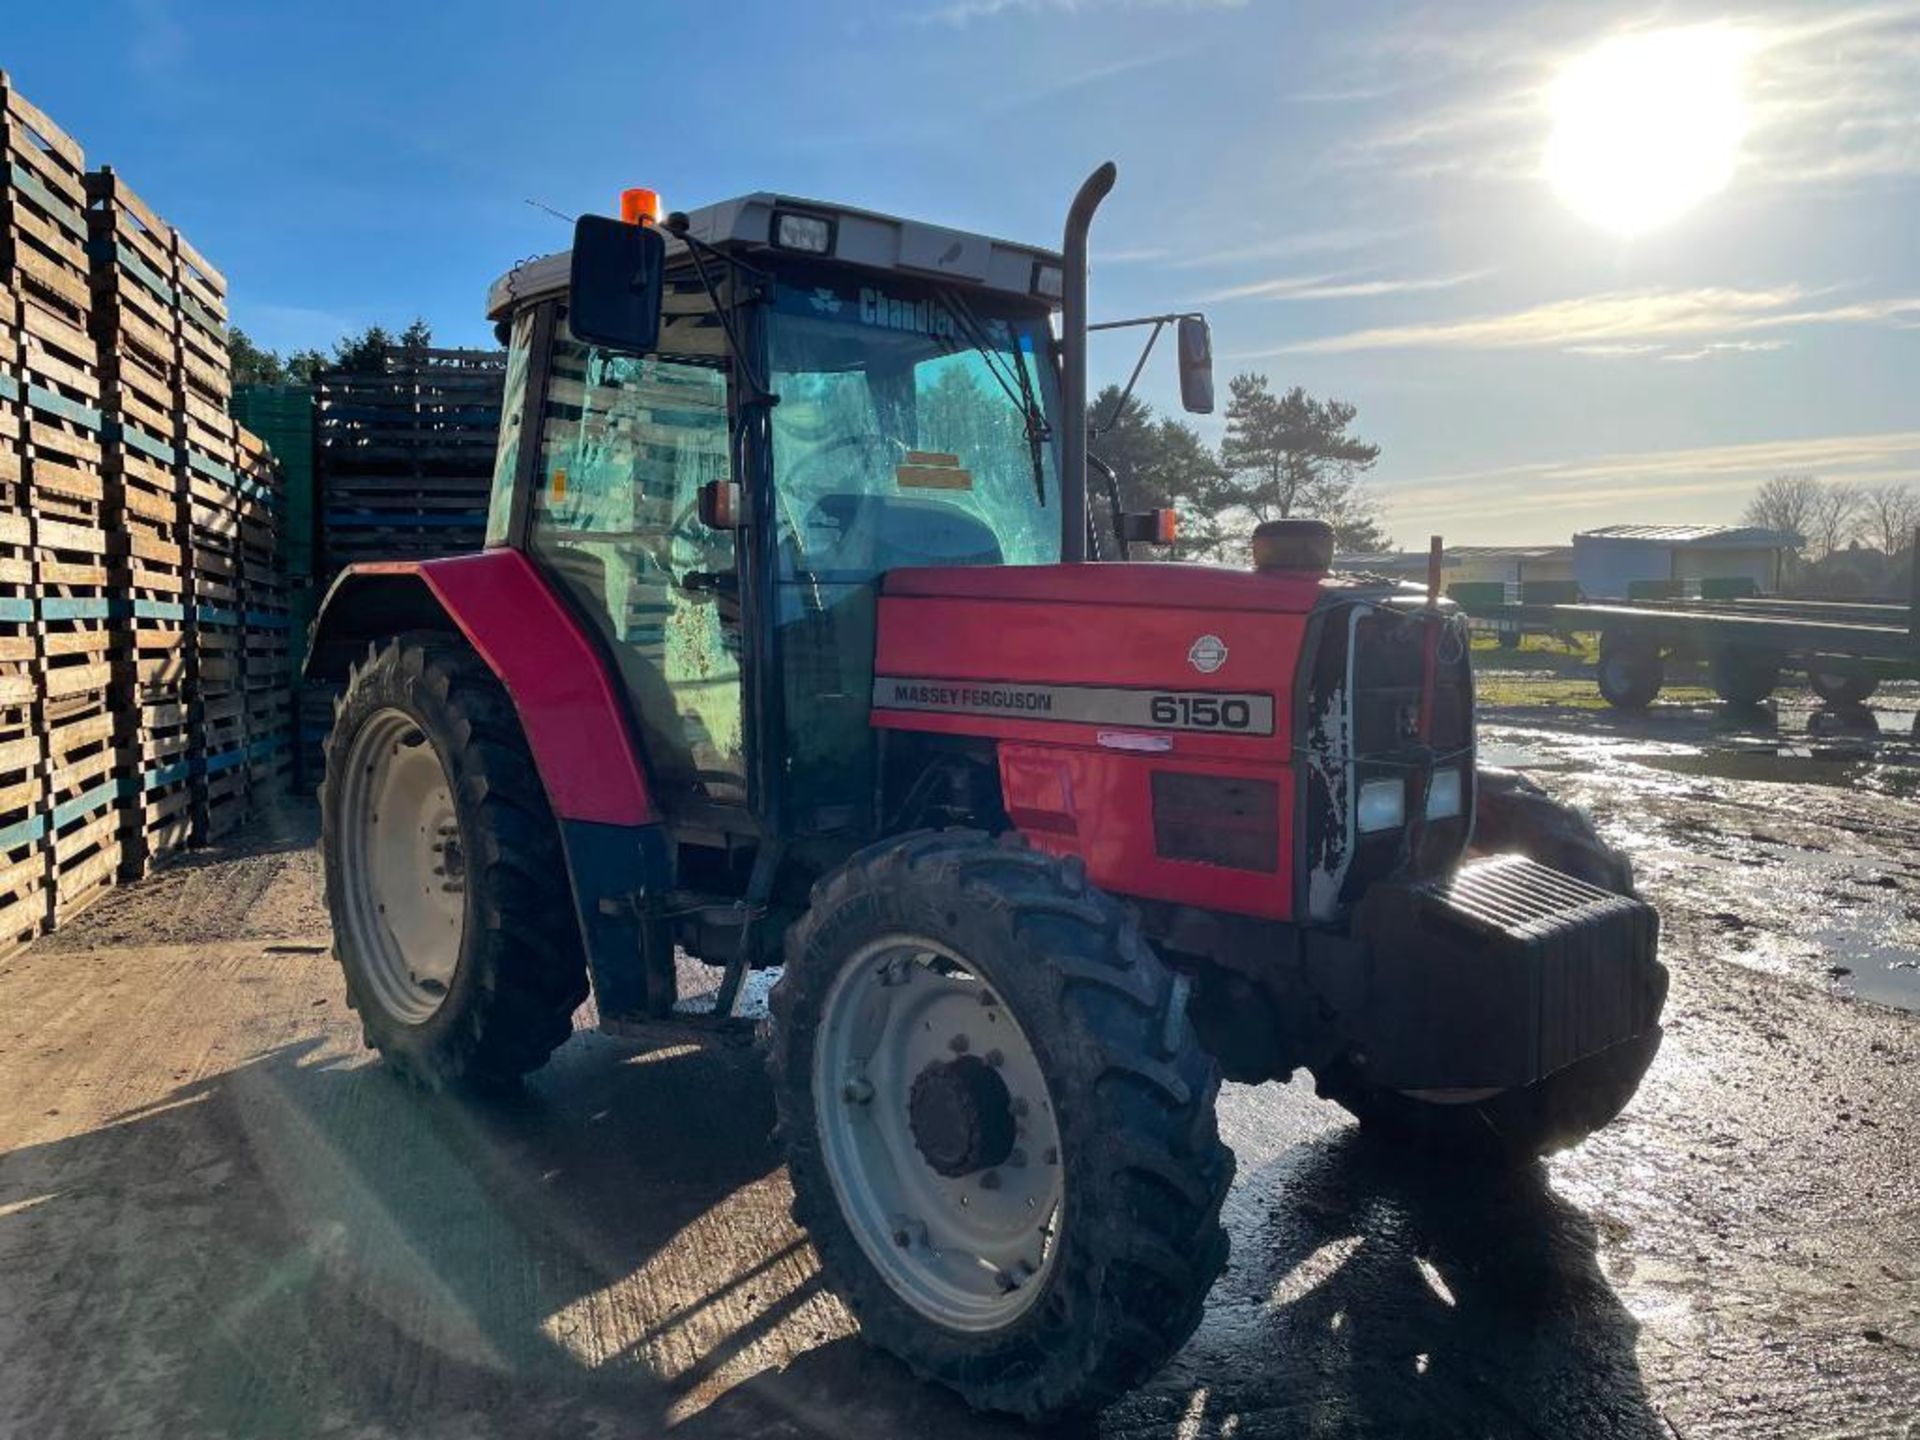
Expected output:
(618, 274)
(1196, 365)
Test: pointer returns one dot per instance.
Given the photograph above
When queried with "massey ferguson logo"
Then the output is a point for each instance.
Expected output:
(1208, 654)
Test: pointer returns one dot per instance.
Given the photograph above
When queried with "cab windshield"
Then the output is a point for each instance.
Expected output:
(915, 427)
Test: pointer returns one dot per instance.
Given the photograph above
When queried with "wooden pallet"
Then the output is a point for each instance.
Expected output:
(43, 204)
(83, 848)
(24, 909)
(74, 633)
(206, 372)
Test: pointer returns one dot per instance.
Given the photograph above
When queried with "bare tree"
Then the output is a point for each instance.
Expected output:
(1889, 516)
(1836, 516)
(1786, 502)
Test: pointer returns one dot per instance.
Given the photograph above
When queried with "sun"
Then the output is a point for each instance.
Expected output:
(1648, 125)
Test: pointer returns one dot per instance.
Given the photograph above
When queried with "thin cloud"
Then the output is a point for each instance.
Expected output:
(1699, 482)
(965, 12)
(1334, 287)
(1632, 317)
(1288, 247)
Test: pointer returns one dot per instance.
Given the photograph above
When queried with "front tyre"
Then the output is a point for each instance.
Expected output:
(999, 1122)
(445, 880)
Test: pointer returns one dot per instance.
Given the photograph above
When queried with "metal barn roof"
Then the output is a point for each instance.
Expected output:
(1706, 536)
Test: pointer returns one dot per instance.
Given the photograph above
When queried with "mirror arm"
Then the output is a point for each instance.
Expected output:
(758, 391)
(1160, 322)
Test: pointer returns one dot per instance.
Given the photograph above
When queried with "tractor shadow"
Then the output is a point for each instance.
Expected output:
(303, 1246)
(1374, 1293)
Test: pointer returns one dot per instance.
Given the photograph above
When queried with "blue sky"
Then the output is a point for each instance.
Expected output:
(1353, 191)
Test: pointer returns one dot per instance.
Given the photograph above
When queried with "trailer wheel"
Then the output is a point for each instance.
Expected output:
(1842, 690)
(1742, 677)
(1630, 671)
(445, 879)
(999, 1122)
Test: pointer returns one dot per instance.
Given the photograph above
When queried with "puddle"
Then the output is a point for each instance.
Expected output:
(1852, 766)
(1884, 974)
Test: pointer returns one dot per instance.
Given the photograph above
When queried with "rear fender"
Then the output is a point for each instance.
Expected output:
(574, 716)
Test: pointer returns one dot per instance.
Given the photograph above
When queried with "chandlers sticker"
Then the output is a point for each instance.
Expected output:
(1207, 710)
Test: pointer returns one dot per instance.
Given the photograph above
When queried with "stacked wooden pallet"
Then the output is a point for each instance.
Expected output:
(406, 454)
(46, 269)
(265, 620)
(23, 820)
(136, 326)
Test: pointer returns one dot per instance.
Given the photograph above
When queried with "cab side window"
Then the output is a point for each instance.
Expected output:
(626, 442)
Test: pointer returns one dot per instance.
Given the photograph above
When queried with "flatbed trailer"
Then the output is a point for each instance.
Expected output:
(1845, 648)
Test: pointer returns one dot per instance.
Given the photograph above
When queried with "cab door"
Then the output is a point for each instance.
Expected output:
(625, 443)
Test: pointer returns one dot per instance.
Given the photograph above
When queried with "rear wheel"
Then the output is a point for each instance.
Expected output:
(1841, 689)
(445, 880)
(999, 1122)
(1512, 814)
(1630, 671)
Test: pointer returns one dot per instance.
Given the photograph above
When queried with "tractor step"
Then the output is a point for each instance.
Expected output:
(727, 1031)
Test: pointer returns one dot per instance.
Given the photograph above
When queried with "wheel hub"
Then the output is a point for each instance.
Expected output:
(961, 1116)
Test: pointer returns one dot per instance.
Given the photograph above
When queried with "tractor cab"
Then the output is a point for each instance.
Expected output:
(828, 395)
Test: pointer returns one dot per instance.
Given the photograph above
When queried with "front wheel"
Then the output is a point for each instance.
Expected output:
(445, 880)
(999, 1122)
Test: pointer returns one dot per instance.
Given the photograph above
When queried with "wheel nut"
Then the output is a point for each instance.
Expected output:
(1052, 1157)
(990, 1180)
(1017, 1158)
(901, 1238)
(996, 1059)
(1019, 1108)
(856, 1092)
(959, 1044)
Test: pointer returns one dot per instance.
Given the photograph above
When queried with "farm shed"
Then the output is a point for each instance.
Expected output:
(1608, 563)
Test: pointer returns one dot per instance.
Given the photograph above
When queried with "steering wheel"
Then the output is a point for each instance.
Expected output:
(889, 452)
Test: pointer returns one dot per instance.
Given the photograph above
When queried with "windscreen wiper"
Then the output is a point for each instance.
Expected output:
(1038, 431)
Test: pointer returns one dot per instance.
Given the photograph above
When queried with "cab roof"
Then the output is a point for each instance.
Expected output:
(863, 238)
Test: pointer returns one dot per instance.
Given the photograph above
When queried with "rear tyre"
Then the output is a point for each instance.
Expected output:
(1743, 678)
(999, 1122)
(1841, 690)
(1511, 813)
(445, 878)
(1630, 671)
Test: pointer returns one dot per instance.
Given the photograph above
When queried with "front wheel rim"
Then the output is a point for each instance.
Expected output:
(404, 869)
(970, 1251)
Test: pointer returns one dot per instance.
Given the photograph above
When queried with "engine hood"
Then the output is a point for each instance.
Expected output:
(1162, 585)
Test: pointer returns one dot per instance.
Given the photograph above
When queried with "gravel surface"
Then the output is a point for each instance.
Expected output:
(219, 1218)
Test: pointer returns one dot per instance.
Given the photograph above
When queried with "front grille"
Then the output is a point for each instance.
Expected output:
(1217, 820)
(1360, 722)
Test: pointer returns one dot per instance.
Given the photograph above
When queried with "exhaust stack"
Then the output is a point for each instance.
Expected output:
(1073, 361)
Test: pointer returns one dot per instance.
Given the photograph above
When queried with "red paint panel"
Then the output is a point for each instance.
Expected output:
(1138, 644)
(1202, 587)
(573, 713)
(1098, 804)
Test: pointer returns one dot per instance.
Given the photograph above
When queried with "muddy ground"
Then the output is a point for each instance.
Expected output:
(217, 1217)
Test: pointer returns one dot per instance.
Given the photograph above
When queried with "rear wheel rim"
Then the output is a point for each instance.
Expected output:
(971, 1251)
(404, 877)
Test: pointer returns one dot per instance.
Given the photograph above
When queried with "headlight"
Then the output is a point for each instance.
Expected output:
(811, 234)
(1383, 805)
(1445, 794)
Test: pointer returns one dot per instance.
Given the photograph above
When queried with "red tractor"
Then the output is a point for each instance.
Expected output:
(795, 644)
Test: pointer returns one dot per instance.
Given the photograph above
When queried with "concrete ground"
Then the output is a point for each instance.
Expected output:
(219, 1217)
